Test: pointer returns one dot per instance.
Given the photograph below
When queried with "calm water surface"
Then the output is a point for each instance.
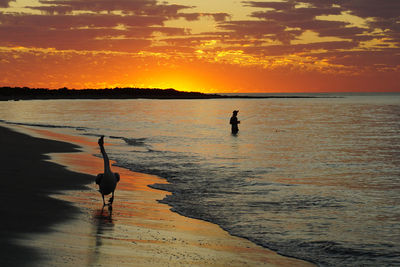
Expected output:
(317, 179)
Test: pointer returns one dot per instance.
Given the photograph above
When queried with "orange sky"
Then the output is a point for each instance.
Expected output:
(202, 45)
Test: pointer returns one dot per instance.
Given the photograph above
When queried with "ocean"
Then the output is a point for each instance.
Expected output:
(312, 178)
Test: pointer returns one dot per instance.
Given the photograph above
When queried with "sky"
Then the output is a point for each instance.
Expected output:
(211, 46)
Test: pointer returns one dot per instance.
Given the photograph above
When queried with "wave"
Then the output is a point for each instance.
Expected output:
(135, 141)
(230, 198)
(42, 125)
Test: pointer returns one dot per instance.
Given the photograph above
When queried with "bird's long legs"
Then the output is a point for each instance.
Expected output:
(104, 203)
(111, 199)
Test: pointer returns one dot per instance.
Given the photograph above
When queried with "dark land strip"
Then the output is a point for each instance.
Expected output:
(25, 93)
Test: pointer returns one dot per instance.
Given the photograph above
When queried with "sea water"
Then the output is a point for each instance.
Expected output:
(313, 178)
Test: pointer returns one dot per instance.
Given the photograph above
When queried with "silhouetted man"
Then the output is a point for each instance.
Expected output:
(234, 122)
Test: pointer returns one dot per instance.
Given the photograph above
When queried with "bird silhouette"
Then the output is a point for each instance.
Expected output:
(108, 180)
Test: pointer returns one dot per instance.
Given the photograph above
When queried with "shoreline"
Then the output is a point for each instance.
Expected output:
(140, 232)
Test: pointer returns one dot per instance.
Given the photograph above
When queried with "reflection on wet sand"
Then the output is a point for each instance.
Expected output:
(102, 226)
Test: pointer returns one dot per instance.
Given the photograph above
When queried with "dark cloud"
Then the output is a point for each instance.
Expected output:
(384, 9)
(219, 17)
(273, 5)
(288, 16)
(72, 39)
(83, 32)
(138, 7)
(383, 14)
(117, 24)
(281, 50)
(190, 16)
(287, 13)
(374, 59)
(128, 7)
(85, 20)
(252, 28)
(275, 30)
(320, 3)
(98, 26)
(347, 32)
(297, 14)
(286, 21)
(264, 30)
(5, 3)
(191, 41)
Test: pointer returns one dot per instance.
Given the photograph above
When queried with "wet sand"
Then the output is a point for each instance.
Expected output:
(70, 228)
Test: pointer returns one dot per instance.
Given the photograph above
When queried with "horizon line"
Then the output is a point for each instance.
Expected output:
(213, 93)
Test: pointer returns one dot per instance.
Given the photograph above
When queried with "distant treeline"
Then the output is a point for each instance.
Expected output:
(25, 93)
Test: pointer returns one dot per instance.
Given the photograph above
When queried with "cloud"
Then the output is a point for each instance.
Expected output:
(85, 20)
(126, 7)
(219, 17)
(119, 25)
(382, 14)
(83, 32)
(273, 5)
(5, 3)
(288, 21)
(383, 9)
(138, 7)
(252, 28)
(367, 59)
(305, 49)
(288, 16)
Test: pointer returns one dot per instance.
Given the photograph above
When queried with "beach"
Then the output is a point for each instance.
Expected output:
(54, 213)
(27, 182)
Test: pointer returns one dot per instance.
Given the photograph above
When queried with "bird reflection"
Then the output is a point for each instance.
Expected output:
(104, 226)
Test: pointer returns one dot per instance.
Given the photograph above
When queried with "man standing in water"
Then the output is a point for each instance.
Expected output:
(234, 122)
